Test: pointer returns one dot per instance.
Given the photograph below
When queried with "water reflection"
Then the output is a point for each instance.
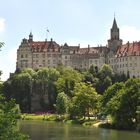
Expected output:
(41, 130)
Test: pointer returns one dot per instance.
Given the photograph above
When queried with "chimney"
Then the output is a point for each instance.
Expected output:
(88, 47)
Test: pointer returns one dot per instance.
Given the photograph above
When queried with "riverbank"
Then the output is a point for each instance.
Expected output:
(91, 122)
(63, 118)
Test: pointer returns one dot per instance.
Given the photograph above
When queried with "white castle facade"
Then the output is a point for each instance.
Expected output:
(123, 58)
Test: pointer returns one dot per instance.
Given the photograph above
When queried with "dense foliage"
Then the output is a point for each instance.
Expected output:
(121, 101)
(24, 85)
(84, 100)
(78, 93)
(9, 113)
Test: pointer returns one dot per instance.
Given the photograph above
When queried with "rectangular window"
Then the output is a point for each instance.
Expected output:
(43, 55)
(95, 61)
(48, 55)
(36, 55)
(59, 61)
(65, 63)
(53, 61)
(48, 61)
(90, 61)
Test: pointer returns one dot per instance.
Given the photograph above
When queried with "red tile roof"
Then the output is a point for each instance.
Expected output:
(92, 50)
(129, 49)
(39, 43)
(43, 46)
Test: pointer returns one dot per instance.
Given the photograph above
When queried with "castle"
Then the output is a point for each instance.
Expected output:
(123, 58)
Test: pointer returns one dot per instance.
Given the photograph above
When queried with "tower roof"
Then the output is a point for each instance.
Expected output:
(114, 26)
(31, 34)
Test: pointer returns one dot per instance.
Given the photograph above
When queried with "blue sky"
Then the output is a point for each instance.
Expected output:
(73, 21)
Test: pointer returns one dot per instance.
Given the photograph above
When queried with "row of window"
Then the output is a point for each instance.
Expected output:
(42, 55)
(24, 55)
(96, 61)
(131, 73)
(48, 61)
(125, 65)
(46, 55)
(122, 59)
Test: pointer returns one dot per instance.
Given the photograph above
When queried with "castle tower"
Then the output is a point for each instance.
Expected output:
(30, 37)
(114, 42)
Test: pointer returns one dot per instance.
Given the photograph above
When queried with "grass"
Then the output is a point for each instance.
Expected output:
(32, 117)
(61, 118)
(46, 117)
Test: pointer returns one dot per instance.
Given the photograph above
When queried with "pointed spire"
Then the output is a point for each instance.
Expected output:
(114, 26)
(114, 14)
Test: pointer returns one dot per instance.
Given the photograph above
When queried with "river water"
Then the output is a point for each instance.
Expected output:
(43, 130)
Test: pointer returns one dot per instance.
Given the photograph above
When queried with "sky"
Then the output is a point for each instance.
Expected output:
(72, 21)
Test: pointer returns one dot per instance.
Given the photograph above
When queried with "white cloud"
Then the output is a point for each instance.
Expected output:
(129, 33)
(2, 24)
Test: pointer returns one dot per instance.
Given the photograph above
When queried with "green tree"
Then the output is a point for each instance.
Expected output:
(138, 117)
(62, 103)
(93, 70)
(105, 74)
(1, 85)
(8, 121)
(85, 100)
(18, 87)
(27, 84)
(24, 82)
(67, 80)
(45, 85)
(110, 93)
(1, 45)
(119, 78)
(123, 105)
(105, 71)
